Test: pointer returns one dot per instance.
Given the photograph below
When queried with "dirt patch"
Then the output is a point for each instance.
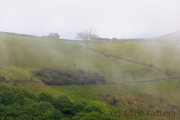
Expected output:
(4, 79)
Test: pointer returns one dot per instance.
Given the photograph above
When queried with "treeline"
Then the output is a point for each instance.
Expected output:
(69, 77)
(107, 39)
(119, 39)
(18, 104)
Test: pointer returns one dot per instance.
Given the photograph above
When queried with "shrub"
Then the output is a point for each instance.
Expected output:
(69, 77)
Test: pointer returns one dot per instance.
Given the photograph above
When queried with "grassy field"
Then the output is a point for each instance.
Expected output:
(20, 56)
(164, 54)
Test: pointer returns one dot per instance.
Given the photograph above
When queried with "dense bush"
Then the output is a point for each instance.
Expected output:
(18, 104)
(70, 77)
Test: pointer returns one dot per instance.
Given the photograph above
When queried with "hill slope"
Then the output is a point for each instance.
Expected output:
(21, 56)
(175, 36)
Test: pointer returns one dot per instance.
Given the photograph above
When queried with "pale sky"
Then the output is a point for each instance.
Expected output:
(110, 18)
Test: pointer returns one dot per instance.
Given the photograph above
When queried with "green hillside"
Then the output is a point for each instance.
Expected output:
(117, 61)
(164, 54)
(22, 55)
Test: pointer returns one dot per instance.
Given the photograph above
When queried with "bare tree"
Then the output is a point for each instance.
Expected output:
(87, 35)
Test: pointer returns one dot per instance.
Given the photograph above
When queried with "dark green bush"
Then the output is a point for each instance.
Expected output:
(69, 77)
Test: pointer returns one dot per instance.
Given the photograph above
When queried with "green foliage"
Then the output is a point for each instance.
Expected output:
(95, 116)
(10, 96)
(78, 116)
(96, 106)
(79, 106)
(20, 104)
(63, 104)
(45, 97)
(90, 116)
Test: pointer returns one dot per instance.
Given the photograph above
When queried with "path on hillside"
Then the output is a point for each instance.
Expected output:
(141, 81)
(139, 63)
(169, 76)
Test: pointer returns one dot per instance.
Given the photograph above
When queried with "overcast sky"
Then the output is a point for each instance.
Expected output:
(110, 18)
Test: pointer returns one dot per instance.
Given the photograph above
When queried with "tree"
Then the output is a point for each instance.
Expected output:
(45, 97)
(63, 104)
(87, 35)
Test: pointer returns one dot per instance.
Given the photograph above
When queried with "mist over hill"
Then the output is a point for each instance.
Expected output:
(174, 36)
(139, 74)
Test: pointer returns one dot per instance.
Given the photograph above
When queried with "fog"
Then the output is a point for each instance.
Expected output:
(115, 18)
(153, 20)
(135, 74)
(135, 70)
